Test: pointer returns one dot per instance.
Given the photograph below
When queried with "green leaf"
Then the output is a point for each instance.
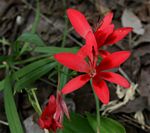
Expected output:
(3, 58)
(76, 124)
(1, 85)
(11, 110)
(62, 77)
(31, 67)
(37, 17)
(31, 38)
(29, 78)
(54, 50)
(108, 125)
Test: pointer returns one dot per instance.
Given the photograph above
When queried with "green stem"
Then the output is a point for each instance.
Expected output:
(34, 101)
(34, 27)
(65, 32)
(37, 17)
(31, 94)
(66, 26)
(97, 108)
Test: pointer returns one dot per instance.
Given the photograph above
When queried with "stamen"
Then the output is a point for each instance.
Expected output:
(92, 73)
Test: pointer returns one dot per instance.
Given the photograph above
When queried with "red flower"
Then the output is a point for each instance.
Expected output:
(104, 35)
(52, 115)
(86, 58)
(92, 69)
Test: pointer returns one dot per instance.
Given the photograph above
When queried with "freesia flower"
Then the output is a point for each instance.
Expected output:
(105, 34)
(52, 115)
(86, 61)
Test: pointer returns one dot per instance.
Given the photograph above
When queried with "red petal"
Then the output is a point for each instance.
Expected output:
(91, 42)
(87, 49)
(72, 61)
(58, 114)
(83, 52)
(45, 119)
(102, 34)
(51, 105)
(79, 22)
(118, 35)
(101, 90)
(55, 125)
(65, 109)
(50, 109)
(106, 21)
(75, 83)
(92, 46)
(41, 123)
(62, 104)
(45, 123)
(114, 60)
(104, 53)
(115, 78)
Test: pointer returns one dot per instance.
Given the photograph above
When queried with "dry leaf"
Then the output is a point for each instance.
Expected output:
(127, 95)
(31, 126)
(140, 118)
(145, 37)
(129, 19)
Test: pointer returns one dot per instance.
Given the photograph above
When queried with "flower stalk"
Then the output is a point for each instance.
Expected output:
(97, 109)
(34, 101)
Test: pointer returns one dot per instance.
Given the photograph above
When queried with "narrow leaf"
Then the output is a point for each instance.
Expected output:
(31, 38)
(76, 124)
(11, 110)
(34, 75)
(107, 125)
(1, 85)
(31, 67)
(62, 79)
(54, 50)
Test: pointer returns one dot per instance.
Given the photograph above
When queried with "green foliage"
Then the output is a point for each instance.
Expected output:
(2, 58)
(33, 100)
(31, 38)
(33, 75)
(10, 108)
(1, 85)
(80, 124)
(31, 67)
(76, 124)
(54, 50)
(107, 125)
(62, 76)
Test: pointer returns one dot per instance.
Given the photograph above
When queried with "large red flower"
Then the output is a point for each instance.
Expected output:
(105, 33)
(52, 115)
(86, 61)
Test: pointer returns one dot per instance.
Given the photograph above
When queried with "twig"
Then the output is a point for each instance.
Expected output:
(4, 123)
(47, 82)
(135, 121)
(124, 74)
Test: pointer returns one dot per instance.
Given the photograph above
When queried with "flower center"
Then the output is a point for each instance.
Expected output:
(92, 73)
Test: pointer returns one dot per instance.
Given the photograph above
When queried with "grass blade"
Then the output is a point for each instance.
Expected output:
(11, 110)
